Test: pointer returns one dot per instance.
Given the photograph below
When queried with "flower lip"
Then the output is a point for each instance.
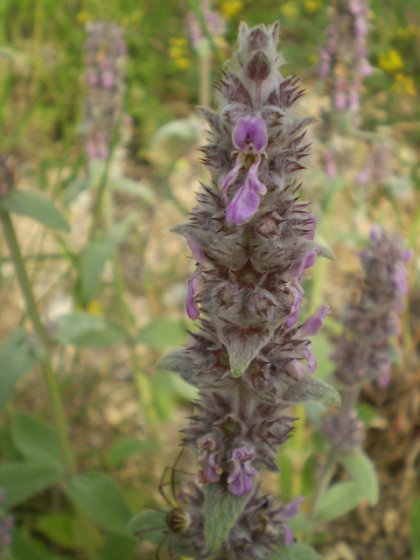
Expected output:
(250, 132)
(241, 478)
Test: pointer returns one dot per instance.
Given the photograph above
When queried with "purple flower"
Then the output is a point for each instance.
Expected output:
(250, 137)
(241, 478)
(209, 469)
(250, 134)
(314, 323)
(289, 511)
(246, 200)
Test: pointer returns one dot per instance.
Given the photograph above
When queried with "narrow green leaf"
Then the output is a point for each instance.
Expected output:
(119, 546)
(22, 480)
(34, 206)
(92, 261)
(101, 499)
(17, 358)
(338, 500)
(36, 441)
(362, 471)
(84, 329)
(221, 510)
(134, 188)
(414, 521)
(148, 525)
(297, 551)
(162, 333)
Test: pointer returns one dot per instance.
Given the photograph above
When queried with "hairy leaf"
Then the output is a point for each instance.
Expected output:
(34, 206)
(339, 499)
(24, 479)
(362, 471)
(221, 510)
(35, 440)
(101, 499)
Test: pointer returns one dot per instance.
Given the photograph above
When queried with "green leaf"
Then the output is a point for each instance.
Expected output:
(36, 441)
(362, 471)
(160, 334)
(119, 546)
(221, 510)
(17, 358)
(414, 521)
(24, 547)
(101, 499)
(339, 499)
(297, 551)
(126, 447)
(300, 523)
(24, 479)
(34, 206)
(7, 447)
(58, 527)
(83, 329)
(92, 260)
(148, 525)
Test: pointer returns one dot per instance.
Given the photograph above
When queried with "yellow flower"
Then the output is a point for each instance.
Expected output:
(404, 84)
(83, 17)
(391, 61)
(406, 32)
(289, 10)
(313, 58)
(230, 8)
(312, 6)
(178, 52)
(180, 42)
(182, 63)
(95, 307)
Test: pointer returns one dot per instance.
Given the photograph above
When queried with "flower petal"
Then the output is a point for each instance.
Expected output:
(250, 130)
(313, 324)
(230, 178)
(246, 200)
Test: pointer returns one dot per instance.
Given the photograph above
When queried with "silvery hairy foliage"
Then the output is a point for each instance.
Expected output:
(252, 240)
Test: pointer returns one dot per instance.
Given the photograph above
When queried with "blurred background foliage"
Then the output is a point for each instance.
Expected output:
(110, 283)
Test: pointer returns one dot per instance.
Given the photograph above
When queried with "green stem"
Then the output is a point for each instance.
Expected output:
(322, 484)
(195, 7)
(127, 320)
(46, 365)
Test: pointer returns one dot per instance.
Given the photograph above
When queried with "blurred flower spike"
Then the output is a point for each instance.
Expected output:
(105, 52)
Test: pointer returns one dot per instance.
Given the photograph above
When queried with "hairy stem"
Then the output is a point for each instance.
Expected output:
(46, 364)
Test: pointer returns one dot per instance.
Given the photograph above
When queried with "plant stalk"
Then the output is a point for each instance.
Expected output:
(41, 333)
